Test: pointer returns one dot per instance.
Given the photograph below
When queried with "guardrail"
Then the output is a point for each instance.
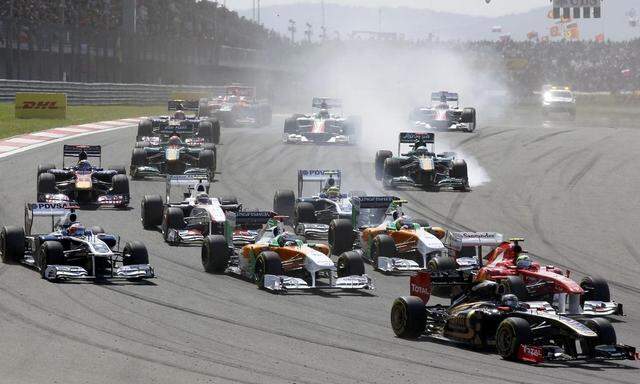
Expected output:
(101, 93)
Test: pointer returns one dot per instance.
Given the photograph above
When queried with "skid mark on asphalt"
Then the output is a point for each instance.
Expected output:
(583, 171)
(479, 137)
(633, 252)
(547, 136)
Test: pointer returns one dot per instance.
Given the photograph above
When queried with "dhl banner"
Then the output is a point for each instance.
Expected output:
(41, 105)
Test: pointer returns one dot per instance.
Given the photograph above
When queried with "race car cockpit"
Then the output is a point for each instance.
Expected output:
(285, 239)
(174, 140)
(323, 114)
(83, 166)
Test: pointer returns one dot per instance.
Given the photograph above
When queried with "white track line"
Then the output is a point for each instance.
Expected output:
(22, 140)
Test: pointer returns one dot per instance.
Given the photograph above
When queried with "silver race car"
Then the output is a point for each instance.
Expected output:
(444, 113)
(188, 221)
(322, 127)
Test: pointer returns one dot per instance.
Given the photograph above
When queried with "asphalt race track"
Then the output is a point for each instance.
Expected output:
(570, 188)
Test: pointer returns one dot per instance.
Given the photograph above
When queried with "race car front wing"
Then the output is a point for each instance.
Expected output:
(285, 283)
(70, 272)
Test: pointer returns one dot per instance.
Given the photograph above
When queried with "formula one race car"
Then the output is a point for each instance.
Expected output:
(83, 183)
(523, 331)
(280, 261)
(71, 251)
(322, 127)
(237, 107)
(190, 220)
(173, 157)
(444, 113)
(511, 268)
(313, 216)
(421, 166)
(198, 129)
(396, 243)
(558, 100)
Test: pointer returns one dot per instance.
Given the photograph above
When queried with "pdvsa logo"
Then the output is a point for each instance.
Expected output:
(39, 105)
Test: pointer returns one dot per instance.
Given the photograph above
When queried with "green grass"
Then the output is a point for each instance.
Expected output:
(10, 126)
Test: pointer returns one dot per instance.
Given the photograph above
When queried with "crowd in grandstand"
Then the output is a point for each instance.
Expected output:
(585, 66)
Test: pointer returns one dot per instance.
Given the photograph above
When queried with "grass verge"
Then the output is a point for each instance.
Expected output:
(10, 126)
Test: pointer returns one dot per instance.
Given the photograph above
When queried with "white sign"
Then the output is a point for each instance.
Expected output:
(576, 3)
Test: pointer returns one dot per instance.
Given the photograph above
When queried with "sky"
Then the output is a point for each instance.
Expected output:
(470, 7)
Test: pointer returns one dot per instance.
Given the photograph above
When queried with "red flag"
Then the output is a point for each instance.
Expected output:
(600, 38)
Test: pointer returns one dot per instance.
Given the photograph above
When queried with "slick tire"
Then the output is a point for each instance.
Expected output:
(340, 236)
(12, 244)
(381, 156)
(46, 184)
(151, 211)
(510, 335)
(50, 253)
(267, 263)
(383, 245)
(408, 317)
(135, 253)
(215, 254)
(305, 213)
(350, 264)
(284, 203)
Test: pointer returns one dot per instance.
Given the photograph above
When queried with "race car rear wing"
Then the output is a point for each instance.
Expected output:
(183, 105)
(199, 183)
(371, 202)
(252, 219)
(414, 137)
(326, 103)
(470, 244)
(319, 176)
(443, 95)
(53, 210)
(77, 151)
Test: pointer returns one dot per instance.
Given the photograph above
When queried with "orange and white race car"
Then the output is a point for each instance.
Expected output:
(278, 260)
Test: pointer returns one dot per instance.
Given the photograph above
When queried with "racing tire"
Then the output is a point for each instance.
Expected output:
(173, 218)
(46, 184)
(12, 244)
(442, 264)
(120, 170)
(210, 131)
(459, 170)
(50, 253)
(291, 125)
(350, 264)
(44, 168)
(513, 285)
(392, 168)
(120, 184)
(510, 335)
(141, 144)
(383, 245)
(215, 254)
(605, 331)
(469, 117)
(305, 213)
(207, 159)
(381, 156)
(145, 128)
(340, 236)
(135, 253)
(151, 211)
(408, 317)
(284, 202)
(138, 159)
(595, 288)
(96, 230)
(267, 263)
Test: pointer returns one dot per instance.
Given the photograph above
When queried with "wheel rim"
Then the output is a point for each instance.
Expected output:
(504, 341)
(259, 274)
(398, 317)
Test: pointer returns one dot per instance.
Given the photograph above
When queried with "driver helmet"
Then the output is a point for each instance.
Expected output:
(179, 115)
(324, 114)
(202, 198)
(405, 223)
(523, 261)
(333, 192)
(75, 229)
(83, 165)
(510, 300)
(175, 140)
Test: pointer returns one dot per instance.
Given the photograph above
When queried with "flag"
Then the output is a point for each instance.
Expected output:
(554, 31)
(600, 38)
(572, 32)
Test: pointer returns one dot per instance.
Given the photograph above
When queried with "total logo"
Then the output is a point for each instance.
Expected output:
(420, 290)
(39, 105)
(532, 351)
